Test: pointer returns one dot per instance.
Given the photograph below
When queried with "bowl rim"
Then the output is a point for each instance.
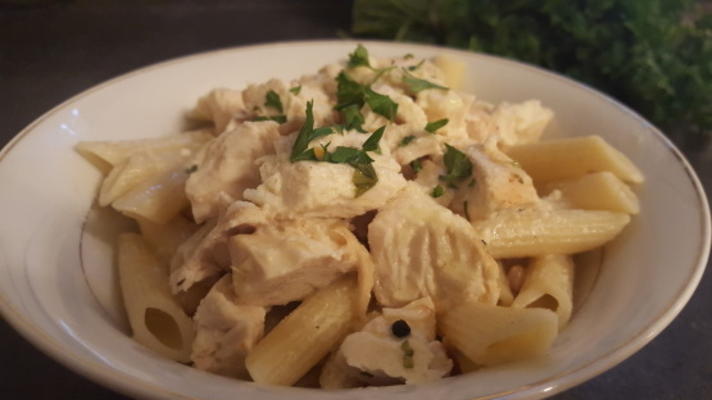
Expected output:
(124, 383)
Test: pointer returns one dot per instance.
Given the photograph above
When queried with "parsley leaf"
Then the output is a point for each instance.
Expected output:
(416, 85)
(364, 178)
(353, 119)
(437, 191)
(457, 166)
(272, 100)
(371, 144)
(381, 104)
(276, 118)
(406, 140)
(348, 155)
(348, 92)
(358, 58)
(435, 125)
(416, 165)
(306, 134)
(296, 89)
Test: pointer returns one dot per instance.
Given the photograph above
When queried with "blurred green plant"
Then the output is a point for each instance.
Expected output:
(654, 55)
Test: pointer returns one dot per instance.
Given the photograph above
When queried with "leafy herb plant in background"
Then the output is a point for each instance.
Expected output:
(654, 55)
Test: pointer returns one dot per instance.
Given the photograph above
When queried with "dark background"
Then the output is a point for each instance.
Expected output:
(52, 50)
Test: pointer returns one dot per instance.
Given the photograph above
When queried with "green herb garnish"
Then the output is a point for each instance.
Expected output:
(437, 191)
(408, 354)
(416, 165)
(358, 58)
(417, 85)
(381, 104)
(353, 119)
(307, 133)
(457, 166)
(276, 118)
(406, 140)
(371, 144)
(435, 125)
(296, 89)
(272, 100)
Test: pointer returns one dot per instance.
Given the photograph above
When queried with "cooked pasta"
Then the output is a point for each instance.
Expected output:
(367, 225)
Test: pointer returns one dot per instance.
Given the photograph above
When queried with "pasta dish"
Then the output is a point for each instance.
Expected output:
(370, 224)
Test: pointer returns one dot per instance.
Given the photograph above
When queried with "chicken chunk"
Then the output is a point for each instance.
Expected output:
(376, 356)
(225, 331)
(499, 184)
(321, 189)
(287, 261)
(220, 106)
(204, 255)
(511, 124)
(421, 248)
(225, 167)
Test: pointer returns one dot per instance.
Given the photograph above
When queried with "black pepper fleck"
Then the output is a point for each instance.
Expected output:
(400, 329)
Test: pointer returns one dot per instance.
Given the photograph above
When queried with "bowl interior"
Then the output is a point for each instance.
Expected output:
(646, 277)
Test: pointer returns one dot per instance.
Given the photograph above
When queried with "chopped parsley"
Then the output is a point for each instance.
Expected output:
(408, 353)
(416, 165)
(353, 119)
(191, 169)
(371, 144)
(272, 100)
(364, 176)
(406, 140)
(416, 85)
(457, 166)
(307, 133)
(276, 118)
(358, 58)
(295, 90)
(435, 125)
(381, 104)
(351, 96)
(437, 191)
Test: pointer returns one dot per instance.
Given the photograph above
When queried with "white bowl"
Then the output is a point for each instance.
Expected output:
(646, 278)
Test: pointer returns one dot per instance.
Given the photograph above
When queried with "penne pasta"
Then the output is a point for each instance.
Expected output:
(505, 292)
(140, 167)
(573, 157)
(597, 191)
(166, 238)
(158, 199)
(453, 70)
(534, 232)
(114, 153)
(549, 284)
(489, 334)
(157, 320)
(305, 336)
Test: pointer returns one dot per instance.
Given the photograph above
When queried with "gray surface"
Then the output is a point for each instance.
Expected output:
(50, 51)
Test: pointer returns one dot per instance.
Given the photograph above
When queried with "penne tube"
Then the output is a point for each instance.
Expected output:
(488, 334)
(158, 199)
(534, 232)
(141, 167)
(166, 238)
(573, 157)
(597, 191)
(305, 336)
(114, 153)
(549, 284)
(157, 320)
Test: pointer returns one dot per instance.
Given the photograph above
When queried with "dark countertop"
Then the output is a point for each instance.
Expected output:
(52, 50)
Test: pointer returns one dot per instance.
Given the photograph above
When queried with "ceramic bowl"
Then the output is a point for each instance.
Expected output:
(59, 289)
